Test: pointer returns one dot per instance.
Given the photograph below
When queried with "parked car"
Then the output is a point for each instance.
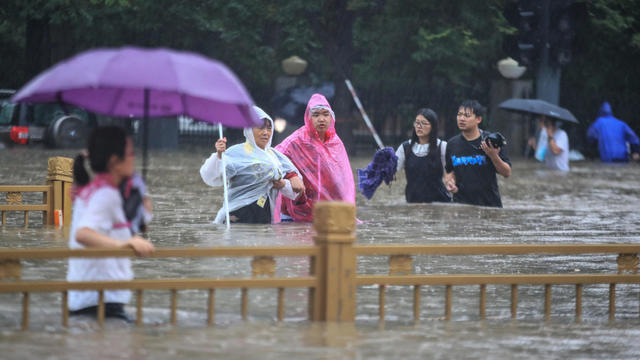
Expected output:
(56, 125)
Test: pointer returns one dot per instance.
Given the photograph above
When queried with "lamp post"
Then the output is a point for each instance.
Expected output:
(507, 87)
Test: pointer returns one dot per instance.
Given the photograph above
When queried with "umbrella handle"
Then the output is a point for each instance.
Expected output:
(364, 114)
(224, 182)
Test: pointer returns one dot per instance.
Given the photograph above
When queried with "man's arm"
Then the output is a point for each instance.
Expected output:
(502, 167)
(450, 182)
(553, 146)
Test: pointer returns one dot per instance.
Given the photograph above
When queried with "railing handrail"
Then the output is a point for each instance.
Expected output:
(161, 284)
(25, 188)
(497, 279)
(495, 249)
(311, 250)
(227, 251)
(24, 207)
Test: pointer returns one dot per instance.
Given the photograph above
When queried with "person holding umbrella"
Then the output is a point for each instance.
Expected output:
(99, 220)
(557, 142)
(256, 173)
(472, 161)
(423, 158)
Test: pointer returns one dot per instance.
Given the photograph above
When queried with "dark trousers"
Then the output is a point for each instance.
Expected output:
(253, 214)
(113, 310)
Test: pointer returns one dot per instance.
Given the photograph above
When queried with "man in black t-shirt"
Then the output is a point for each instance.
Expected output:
(472, 164)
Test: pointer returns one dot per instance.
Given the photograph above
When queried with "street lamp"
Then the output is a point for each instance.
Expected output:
(294, 65)
(510, 68)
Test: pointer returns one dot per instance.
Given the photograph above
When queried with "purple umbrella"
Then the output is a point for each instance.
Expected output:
(114, 82)
(136, 82)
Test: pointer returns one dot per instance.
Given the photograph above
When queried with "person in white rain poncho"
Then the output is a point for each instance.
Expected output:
(255, 172)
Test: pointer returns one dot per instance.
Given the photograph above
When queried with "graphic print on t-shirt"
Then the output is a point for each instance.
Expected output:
(478, 160)
(474, 172)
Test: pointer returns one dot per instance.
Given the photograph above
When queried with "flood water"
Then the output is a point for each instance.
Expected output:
(595, 203)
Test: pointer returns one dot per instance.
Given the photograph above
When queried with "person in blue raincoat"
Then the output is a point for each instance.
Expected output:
(256, 172)
(612, 136)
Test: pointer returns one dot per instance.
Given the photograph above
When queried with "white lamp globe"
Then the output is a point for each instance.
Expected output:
(510, 68)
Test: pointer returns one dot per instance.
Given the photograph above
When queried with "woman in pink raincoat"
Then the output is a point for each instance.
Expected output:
(319, 154)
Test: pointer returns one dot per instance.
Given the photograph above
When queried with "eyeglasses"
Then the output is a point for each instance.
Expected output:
(421, 124)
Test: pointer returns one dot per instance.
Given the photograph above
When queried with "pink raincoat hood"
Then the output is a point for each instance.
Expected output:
(325, 166)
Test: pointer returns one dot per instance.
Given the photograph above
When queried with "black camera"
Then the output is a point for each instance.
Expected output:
(494, 138)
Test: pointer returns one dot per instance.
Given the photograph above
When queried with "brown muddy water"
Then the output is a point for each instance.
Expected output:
(594, 203)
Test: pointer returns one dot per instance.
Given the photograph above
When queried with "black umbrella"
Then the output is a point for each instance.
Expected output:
(539, 107)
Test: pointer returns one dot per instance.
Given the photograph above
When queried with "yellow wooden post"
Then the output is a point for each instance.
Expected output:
(514, 301)
(612, 302)
(47, 215)
(139, 301)
(381, 302)
(25, 311)
(448, 294)
(280, 304)
(101, 307)
(416, 303)
(245, 303)
(335, 223)
(547, 302)
(65, 308)
(578, 303)
(211, 307)
(483, 301)
(60, 177)
(174, 306)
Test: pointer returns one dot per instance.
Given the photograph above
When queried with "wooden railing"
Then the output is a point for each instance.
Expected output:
(332, 279)
(263, 264)
(401, 258)
(14, 202)
(56, 194)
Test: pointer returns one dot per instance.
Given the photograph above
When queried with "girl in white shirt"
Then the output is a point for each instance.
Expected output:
(98, 220)
(422, 159)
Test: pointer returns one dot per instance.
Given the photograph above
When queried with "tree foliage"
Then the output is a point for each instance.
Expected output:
(604, 66)
(400, 55)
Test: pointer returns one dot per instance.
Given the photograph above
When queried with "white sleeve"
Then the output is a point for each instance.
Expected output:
(562, 140)
(100, 213)
(288, 191)
(401, 157)
(211, 171)
(443, 153)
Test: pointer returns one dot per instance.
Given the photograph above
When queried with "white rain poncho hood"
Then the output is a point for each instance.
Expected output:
(252, 170)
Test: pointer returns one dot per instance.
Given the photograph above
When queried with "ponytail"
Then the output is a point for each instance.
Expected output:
(103, 143)
(80, 173)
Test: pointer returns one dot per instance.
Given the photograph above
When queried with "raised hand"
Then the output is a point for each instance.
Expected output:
(221, 146)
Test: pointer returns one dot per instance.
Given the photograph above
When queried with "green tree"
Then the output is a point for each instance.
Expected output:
(604, 66)
(428, 53)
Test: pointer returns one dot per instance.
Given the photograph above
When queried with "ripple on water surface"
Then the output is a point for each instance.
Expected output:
(594, 203)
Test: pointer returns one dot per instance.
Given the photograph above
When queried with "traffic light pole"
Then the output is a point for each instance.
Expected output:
(548, 76)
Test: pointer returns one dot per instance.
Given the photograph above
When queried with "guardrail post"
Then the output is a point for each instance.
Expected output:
(335, 224)
(60, 177)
